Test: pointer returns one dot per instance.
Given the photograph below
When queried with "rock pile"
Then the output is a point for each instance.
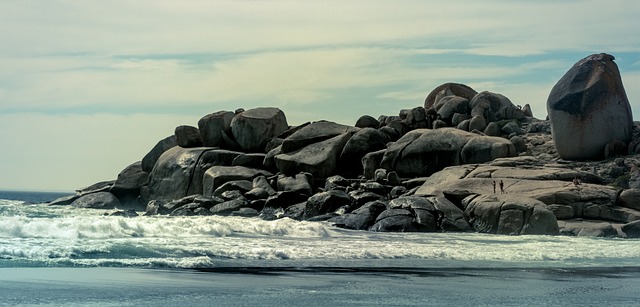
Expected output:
(430, 168)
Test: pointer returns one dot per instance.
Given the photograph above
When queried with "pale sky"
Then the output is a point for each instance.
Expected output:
(89, 87)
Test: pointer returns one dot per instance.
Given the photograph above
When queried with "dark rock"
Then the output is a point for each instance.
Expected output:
(492, 129)
(227, 207)
(163, 145)
(393, 134)
(300, 184)
(374, 187)
(589, 108)
(246, 212)
(254, 128)
(394, 220)
(452, 105)
(188, 136)
(527, 110)
(251, 160)
(448, 89)
(360, 219)
(511, 128)
(216, 176)
(314, 133)
(632, 230)
(130, 181)
(367, 121)
(295, 212)
(242, 186)
(99, 200)
(486, 149)
(397, 191)
(325, 202)
(477, 123)
(371, 162)
(322, 217)
(284, 199)
(518, 143)
(336, 182)
(213, 125)
(261, 182)
(319, 159)
(172, 176)
(362, 142)
(360, 197)
(614, 149)
(271, 213)
(124, 213)
(155, 207)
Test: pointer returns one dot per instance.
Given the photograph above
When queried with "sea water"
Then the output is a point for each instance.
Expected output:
(60, 255)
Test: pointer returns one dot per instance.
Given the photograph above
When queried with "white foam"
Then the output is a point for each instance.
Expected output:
(71, 236)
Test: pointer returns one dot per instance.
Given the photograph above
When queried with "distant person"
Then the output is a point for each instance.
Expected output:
(501, 187)
(494, 186)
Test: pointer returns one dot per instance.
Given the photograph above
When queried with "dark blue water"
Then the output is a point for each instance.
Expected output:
(32, 197)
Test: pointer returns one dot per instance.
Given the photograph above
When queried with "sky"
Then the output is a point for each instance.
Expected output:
(89, 87)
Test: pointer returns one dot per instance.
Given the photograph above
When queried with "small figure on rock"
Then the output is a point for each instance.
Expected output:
(501, 187)
(494, 186)
(577, 181)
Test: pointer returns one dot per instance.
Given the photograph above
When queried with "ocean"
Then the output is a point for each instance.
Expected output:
(64, 256)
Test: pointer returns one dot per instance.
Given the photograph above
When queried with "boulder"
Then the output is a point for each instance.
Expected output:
(394, 220)
(448, 89)
(213, 125)
(423, 152)
(630, 198)
(325, 202)
(208, 158)
(614, 149)
(526, 110)
(452, 105)
(252, 160)
(632, 230)
(261, 182)
(587, 228)
(361, 218)
(300, 183)
(163, 145)
(314, 133)
(494, 107)
(485, 149)
(188, 136)
(362, 142)
(477, 123)
(492, 129)
(588, 108)
(241, 186)
(320, 159)
(98, 200)
(367, 121)
(216, 176)
(129, 182)
(371, 162)
(254, 128)
(509, 214)
(227, 207)
(284, 199)
(172, 176)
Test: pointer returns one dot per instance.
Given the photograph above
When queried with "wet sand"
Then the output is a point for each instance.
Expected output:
(318, 286)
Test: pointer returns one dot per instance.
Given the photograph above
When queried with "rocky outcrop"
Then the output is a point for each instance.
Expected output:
(588, 108)
(451, 165)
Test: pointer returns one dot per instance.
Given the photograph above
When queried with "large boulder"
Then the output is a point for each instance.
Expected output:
(216, 176)
(314, 133)
(509, 214)
(163, 145)
(494, 107)
(451, 105)
(588, 108)
(448, 89)
(367, 121)
(319, 159)
(362, 142)
(172, 175)
(422, 152)
(361, 218)
(325, 202)
(254, 128)
(129, 182)
(213, 125)
(188, 136)
(99, 200)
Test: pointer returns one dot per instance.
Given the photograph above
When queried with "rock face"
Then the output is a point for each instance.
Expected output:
(425, 151)
(588, 108)
(213, 125)
(320, 159)
(99, 200)
(509, 214)
(163, 145)
(171, 177)
(253, 129)
(130, 181)
(188, 136)
(448, 89)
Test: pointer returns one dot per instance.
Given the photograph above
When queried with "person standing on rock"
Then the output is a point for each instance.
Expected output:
(494, 186)
(501, 187)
